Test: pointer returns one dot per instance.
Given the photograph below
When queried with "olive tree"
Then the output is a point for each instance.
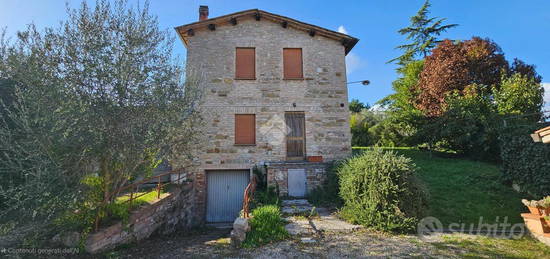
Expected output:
(101, 95)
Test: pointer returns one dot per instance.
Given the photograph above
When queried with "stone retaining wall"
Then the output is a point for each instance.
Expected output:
(172, 213)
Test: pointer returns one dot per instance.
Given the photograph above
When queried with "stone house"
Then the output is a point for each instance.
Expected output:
(276, 97)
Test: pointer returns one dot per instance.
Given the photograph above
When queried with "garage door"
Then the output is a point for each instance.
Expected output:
(225, 194)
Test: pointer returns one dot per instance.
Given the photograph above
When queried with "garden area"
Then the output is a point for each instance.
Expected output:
(451, 188)
(458, 190)
(94, 106)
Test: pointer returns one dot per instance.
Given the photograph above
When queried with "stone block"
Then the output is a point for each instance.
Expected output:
(238, 234)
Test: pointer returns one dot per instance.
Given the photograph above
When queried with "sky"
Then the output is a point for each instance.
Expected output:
(520, 28)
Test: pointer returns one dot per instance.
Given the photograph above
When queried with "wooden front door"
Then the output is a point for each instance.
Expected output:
(295, 136)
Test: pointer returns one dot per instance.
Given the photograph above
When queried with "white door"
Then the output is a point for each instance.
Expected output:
(225, 194)
(297, 182)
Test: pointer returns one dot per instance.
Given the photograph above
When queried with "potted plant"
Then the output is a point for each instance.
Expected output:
(533, 206)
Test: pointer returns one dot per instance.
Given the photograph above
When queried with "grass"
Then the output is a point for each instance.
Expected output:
(267, 225)
(121, 208)
(485, 247)
(462, 191)
(148, 197)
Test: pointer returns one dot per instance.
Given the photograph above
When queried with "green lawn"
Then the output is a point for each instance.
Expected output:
(486, 247)
(462, 191)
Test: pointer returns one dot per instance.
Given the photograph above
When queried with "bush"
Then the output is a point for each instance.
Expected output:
(468, 126)
(327, 195)
(380, 191)
(266, 196)
(524, 162)
(266, 226)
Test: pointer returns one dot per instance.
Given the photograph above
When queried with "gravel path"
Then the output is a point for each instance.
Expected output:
(214, 243)
(319, 236)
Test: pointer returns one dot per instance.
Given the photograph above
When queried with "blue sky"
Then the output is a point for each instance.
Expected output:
(521, 28)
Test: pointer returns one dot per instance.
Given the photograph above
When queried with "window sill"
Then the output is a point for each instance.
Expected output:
(293, 78)
(245, 78)
(244, 145)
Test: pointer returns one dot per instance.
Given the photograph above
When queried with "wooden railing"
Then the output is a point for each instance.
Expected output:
(133, 188)
(248, 196)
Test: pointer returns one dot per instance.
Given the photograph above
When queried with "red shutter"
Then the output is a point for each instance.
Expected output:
(292, 63)
(245, 129)
(245, 63)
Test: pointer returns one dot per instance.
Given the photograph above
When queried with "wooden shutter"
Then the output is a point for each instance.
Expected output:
(295, 137)
(292, 63)
(245, 63)
(245, 129)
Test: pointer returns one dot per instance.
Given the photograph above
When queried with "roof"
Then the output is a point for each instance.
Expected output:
(187, 30)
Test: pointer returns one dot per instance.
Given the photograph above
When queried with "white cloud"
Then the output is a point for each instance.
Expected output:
(353, 62)
(342, 29)
(546, 87)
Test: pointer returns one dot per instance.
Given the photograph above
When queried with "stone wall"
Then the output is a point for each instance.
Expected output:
(175, 212)
(277, 174)
(321, 95)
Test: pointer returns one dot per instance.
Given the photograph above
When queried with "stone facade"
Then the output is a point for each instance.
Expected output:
(321, 95)
(175, 212)
(277, 174)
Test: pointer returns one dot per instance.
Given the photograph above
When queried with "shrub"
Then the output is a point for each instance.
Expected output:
(524, 162)
(380, 191)
(266, 226)
(266, 196)
(468, 126)
(327, 195)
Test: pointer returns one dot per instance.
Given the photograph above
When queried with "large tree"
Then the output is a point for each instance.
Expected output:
(357, 106)
(422, 35)
(465, 90)
(453, 66)
(100, 96)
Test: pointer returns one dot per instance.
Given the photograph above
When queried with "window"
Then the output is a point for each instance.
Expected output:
(245, 63)
(245, 129)
(292, 63)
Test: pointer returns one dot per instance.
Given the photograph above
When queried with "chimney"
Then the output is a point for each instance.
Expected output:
(203, 12)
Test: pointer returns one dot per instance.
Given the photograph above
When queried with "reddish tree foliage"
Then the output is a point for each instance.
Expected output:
(454, 66)
(525, 69)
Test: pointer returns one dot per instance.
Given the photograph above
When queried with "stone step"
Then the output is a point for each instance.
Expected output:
(333, 224)
(296, 207)
(299, 227)
(297, 210)
(298, 202)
